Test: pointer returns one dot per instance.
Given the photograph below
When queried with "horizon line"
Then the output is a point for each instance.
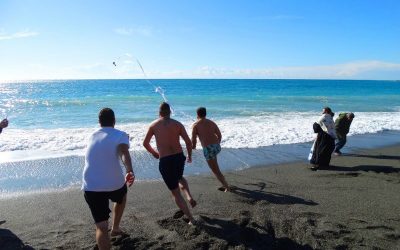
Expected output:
(302, 79)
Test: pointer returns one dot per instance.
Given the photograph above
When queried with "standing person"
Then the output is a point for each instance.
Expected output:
(210, 138)
(342, 128)
(3, 124)
(167, 132)
(325, 143)
(103, 178)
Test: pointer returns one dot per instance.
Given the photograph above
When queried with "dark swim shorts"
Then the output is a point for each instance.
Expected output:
(171, 169)
(98, 202)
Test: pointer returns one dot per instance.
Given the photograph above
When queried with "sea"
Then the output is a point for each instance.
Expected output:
(263, 122)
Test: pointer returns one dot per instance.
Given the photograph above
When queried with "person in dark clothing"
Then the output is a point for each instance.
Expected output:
(342, 127)
(323, 147)
(3, 124)
(325, 141)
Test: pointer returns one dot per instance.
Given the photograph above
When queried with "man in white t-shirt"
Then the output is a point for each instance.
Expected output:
(103, 178)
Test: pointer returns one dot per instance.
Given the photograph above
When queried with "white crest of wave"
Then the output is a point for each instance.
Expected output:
(239, 132)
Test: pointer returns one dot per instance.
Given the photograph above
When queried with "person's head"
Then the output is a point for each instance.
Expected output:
(4, 123)
(327, 110)
(201, 112)
(106, 117)
(165, 110)
(350, 116)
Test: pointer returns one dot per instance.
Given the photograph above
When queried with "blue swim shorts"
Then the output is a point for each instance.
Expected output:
(210, 152)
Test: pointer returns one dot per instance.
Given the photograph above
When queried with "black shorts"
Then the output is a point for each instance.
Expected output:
(98, 202)
(171, 168)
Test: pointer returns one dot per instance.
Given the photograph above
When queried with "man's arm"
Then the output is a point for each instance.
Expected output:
(123, 150)
(194, 136)
(188, 142)
(218, 133)
(146, 143)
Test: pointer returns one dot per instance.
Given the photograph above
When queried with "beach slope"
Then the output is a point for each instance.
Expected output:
(353, 204)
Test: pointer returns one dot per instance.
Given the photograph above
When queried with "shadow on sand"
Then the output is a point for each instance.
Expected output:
(8, 240)
(260, 195)
(250, 235)
(381, 157)
(365, 168)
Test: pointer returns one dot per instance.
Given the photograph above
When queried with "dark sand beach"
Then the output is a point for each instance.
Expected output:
(352, 205)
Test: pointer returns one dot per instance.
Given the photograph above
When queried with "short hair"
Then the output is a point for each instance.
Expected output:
(106, 117)
(351, 115)
(165, 109)
(201, 112)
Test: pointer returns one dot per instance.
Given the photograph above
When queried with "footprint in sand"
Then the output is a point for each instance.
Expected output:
(180, 226)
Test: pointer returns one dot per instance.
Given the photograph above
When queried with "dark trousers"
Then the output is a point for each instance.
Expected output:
(341, 141)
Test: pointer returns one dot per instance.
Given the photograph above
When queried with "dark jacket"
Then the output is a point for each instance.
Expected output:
(342, 124)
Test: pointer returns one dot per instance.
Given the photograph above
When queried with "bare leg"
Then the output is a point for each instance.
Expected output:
(213, 164)
(118, 210)
(102, 238)
(184, 186)
(180, 202)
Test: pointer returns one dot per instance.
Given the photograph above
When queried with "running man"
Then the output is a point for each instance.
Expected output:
(210, 138)
(103, 179)
(167, 132)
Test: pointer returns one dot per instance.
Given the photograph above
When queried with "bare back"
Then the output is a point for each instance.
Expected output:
(207, 131)
(167, 132)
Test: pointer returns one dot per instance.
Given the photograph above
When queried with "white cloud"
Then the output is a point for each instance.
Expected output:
(142, 31)
(128, 68)
(350, 70)
(21, 34)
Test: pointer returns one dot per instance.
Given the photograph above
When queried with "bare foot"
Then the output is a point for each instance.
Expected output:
(224, 189)
(192, 203)
(192, 222)
(118, 233)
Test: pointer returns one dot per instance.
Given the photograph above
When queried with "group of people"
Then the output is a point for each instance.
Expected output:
(327, 132)
(103, 177)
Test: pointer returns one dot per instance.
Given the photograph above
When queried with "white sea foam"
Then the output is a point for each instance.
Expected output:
(239, 132)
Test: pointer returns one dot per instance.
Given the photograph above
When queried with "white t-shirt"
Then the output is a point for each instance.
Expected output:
(103, 171)
(327, 124)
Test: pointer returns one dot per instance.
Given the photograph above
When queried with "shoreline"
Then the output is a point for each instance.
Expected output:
(25, 177)
(350, 205)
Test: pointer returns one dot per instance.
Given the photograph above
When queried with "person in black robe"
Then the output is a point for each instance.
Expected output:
(323, 148)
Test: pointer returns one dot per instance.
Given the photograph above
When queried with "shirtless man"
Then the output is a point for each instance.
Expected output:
(167, 132)
(210, 138)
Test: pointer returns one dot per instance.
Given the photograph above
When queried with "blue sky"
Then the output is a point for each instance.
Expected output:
(69, 39)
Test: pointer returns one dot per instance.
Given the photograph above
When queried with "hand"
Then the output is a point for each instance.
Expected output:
(189, 159)
(129, 178)
(156, 155)
(4, 123)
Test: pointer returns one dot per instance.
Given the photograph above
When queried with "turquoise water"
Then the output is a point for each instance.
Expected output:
(262, 122)
(75, 103)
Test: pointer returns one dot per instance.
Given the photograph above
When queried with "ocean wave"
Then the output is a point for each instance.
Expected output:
(238, 132)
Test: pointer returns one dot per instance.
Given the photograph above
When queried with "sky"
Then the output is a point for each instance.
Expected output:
(271, 39)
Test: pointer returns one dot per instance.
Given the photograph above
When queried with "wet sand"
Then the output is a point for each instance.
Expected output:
(352, 205)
